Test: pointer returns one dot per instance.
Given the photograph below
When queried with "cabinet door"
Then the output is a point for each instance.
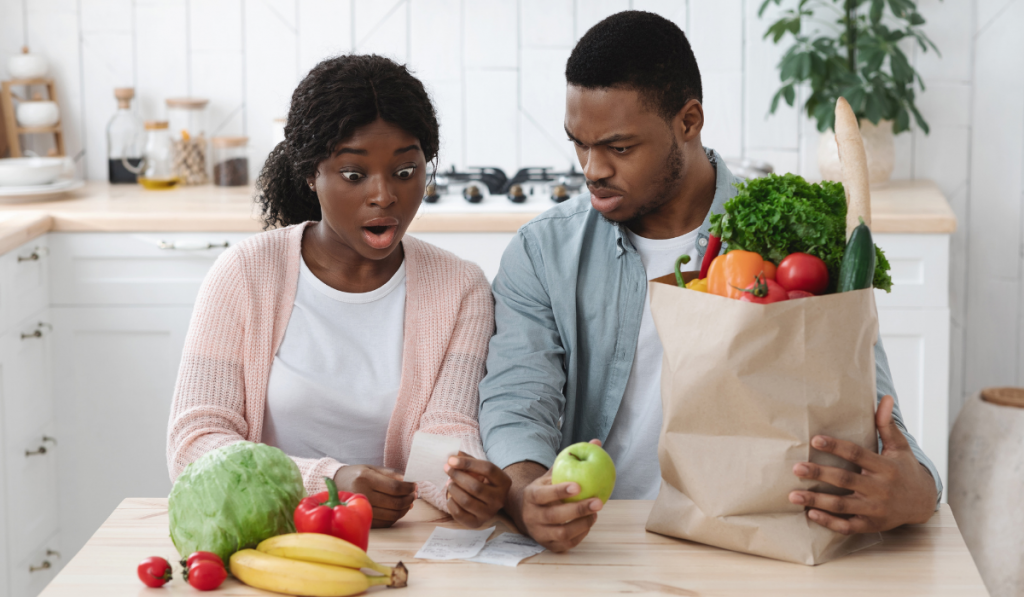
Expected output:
(133, 268)
(24, 282)
(917, 345)
(30, 574)
(115, 369)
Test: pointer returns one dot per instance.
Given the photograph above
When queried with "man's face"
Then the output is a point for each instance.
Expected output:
(629, 154)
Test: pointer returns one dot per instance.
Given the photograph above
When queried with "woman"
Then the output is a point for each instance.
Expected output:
(334, 337)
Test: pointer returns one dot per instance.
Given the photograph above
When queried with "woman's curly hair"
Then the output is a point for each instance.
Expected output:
(337, 97)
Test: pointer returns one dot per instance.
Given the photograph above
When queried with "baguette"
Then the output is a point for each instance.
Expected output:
(855, 167)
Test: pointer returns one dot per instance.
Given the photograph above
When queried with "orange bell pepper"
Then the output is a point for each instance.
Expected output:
(732, 272)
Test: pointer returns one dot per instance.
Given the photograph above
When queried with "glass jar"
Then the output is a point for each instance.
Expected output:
(230, 157)
(187, 120)
(126, 139)
(157, 159)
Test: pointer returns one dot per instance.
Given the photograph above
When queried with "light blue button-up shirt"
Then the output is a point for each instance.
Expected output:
(568, 301)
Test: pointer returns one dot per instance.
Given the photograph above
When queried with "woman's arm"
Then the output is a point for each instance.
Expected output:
(455, 401)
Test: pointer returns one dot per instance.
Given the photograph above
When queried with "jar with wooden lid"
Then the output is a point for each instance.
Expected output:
(187, 123)
(157, 170)
(230, 157)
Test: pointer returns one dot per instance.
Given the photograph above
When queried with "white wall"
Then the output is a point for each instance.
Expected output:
(495, 68)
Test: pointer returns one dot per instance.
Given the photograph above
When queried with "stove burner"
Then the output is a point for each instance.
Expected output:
(472, 194)
(430, 194)
(559, 193)
(516, 194)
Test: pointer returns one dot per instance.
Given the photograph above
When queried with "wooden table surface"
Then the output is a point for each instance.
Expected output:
(617, 557)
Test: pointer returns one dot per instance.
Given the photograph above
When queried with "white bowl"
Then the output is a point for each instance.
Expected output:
(31, 171)
(37, 113)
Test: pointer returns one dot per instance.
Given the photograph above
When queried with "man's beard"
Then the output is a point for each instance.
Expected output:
(665, 190)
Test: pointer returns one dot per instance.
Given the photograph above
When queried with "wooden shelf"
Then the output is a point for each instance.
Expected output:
(25, 130)
(37, 81)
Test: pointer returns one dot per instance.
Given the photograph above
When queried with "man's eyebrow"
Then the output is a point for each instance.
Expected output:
(617, 138)
(351, 150)
(412, 147)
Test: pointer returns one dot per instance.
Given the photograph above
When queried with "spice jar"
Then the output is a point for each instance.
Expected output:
(230, 161)
(187, 118)
(157, 159)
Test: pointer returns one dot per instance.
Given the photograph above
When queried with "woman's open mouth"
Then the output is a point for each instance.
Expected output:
(380, 233)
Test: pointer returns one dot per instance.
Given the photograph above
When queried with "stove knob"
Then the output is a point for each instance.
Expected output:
(516, 194)
(559, 193)
(430, 195)
(472, 194)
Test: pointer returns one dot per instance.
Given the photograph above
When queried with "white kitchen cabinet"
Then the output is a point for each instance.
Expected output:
(30, 574)
(115, 369)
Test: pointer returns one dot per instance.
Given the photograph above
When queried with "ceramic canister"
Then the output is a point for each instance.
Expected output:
(37, 113)
(27, 66)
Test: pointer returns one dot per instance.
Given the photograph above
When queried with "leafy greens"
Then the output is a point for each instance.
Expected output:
(778, 215)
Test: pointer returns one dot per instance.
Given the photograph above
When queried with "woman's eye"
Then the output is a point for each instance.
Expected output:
(406, 173)
(351, 176)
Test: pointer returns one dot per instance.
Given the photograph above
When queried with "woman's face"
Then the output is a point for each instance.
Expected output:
(371, 188)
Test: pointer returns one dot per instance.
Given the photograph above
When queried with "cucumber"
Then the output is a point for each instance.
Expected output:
(857, 270)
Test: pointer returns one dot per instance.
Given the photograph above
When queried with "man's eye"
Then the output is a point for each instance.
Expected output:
(406, 173)
(351, 176)
(619, 149)
(575, 142)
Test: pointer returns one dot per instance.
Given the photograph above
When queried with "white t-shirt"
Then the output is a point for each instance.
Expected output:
(633, 439)
(334, 379)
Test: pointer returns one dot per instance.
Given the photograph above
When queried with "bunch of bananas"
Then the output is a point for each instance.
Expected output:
(312, 564)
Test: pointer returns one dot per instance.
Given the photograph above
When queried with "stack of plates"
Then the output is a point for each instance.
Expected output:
(36, 178)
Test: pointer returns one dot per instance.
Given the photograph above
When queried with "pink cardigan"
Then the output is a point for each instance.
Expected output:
(239, 321)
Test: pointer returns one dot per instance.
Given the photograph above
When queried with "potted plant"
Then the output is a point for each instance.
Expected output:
(851, 48)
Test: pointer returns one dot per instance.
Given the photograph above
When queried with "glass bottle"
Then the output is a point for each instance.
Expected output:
(125, 139)
(158, 170)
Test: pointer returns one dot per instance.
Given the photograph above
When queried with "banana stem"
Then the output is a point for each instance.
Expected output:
(399, 576)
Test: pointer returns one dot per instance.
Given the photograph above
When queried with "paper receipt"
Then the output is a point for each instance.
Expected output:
(428, 456)
(508, 549)
(453, 544)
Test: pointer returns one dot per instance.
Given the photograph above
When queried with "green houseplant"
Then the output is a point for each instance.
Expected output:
(851, 48)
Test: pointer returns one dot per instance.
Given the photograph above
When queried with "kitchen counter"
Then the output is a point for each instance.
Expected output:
(617, 557)
(900, 207)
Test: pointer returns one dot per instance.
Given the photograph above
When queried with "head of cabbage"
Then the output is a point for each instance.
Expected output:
(234, 497)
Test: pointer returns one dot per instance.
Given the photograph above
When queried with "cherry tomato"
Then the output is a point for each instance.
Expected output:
(206, 575)
(800, 271)
(797, 294)
(770, 291)
(154, 571)
(201, 555)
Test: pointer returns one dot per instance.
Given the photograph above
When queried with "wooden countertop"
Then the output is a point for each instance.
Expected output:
(617, 557)
(900, 207)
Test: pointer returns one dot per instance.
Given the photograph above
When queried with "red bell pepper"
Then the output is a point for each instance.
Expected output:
(714, 246)
(341, 514)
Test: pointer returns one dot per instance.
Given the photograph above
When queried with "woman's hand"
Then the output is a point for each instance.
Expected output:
(476, 490)
(390, 496)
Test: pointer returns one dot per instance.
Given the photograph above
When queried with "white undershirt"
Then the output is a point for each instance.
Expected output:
(633, 439)
(335, 377)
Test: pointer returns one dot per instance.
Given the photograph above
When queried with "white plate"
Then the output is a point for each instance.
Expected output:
(39, 192)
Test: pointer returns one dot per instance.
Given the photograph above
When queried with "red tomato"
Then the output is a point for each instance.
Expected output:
(154, 571)
(206, 575)
(202, 555)
(798, 294)
(770, 291)
(800, 271)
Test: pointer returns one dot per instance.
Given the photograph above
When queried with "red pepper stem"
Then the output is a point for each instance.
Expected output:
(332, 493)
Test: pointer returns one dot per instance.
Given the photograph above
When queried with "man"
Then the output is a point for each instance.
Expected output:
(576, 356)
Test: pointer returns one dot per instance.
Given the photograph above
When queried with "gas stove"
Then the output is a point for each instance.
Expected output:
(488, 189)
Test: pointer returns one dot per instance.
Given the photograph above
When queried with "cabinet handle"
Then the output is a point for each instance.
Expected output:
(48, 439)
(36, 254)
(37, 452)
(38, 332)
(192, 245)
(45, 565)
(52, 553)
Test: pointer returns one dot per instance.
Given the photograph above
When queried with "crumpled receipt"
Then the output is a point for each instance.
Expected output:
(453, 544)
(507, 549)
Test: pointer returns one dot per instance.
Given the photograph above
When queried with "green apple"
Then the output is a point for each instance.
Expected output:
(588, 465)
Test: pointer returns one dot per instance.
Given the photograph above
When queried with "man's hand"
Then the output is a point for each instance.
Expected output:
(537, 509)
(892, 489)
(390, 496)
(476, 490)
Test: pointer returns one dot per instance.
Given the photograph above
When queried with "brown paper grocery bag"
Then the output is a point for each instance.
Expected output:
(744, 388)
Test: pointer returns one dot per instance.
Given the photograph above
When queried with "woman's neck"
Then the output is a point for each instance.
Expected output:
(341, 267)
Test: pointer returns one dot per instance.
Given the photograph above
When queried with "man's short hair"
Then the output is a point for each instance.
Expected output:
(641, 51)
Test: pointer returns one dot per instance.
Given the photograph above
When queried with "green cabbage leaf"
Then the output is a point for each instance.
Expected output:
(234, 497)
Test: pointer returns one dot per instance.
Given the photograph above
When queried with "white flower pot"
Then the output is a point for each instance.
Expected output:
(878, 145)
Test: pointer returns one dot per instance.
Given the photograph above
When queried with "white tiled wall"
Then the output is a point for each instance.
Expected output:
(494, 68)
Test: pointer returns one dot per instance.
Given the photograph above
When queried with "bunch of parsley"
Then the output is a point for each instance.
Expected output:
(778, 215)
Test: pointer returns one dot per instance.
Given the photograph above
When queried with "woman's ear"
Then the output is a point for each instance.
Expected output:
(311, 182)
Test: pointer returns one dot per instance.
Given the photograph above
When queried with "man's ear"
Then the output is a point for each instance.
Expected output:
(689, 121)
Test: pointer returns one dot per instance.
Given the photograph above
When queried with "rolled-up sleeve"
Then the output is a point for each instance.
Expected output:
(522, 394)
(884, 386)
